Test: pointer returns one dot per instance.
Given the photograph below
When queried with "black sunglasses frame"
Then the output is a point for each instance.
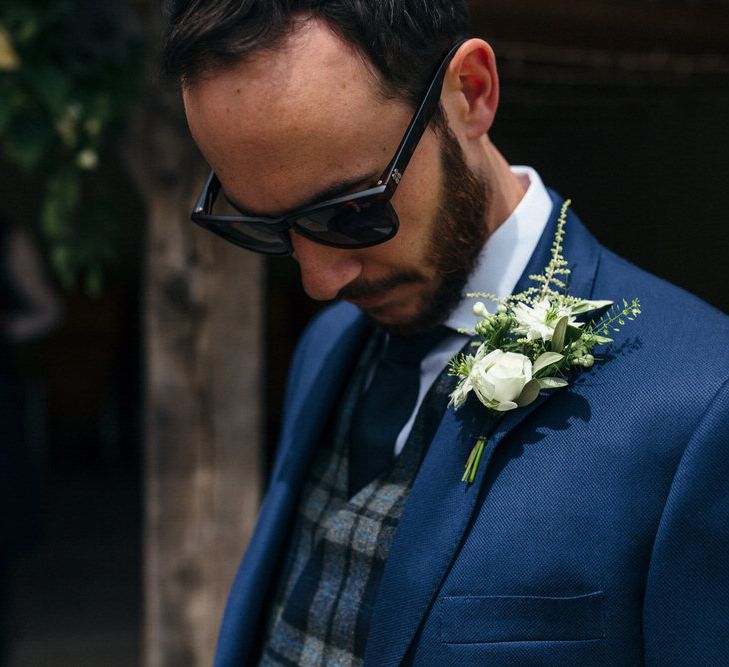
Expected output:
(380, 194)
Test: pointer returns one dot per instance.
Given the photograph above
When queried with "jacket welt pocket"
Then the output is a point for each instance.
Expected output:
(513, 618)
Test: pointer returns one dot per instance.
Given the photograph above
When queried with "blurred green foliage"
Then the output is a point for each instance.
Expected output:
(69, 70)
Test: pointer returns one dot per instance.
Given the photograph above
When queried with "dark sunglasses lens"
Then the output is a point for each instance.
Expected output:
(252, 237)
(350, 225)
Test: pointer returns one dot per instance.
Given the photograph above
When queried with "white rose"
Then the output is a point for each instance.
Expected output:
(499, 378)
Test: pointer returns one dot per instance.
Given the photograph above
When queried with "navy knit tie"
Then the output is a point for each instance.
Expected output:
(386, 406)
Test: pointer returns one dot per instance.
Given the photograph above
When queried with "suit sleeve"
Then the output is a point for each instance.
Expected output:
(686, 606)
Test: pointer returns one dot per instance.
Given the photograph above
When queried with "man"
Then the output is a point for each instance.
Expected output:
(597, 526)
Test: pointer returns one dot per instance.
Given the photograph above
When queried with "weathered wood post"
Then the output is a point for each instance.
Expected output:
(202, 393)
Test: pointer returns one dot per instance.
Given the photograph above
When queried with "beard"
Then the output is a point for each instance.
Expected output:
(456, 239)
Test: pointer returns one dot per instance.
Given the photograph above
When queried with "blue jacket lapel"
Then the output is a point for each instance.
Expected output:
(315, 386)
(315, 389)
(440, 506)
(580, 250)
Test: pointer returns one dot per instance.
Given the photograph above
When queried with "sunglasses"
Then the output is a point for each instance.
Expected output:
(359, 220)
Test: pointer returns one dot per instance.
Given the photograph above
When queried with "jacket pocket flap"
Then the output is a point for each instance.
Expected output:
(511, 618)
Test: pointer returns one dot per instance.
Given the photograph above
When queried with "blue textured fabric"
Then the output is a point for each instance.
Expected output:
(388, 403)
(597, 530)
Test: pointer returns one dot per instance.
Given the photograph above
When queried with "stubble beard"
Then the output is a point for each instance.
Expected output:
(456, 240)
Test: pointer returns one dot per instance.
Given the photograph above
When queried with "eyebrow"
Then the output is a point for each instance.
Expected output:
(331, 191)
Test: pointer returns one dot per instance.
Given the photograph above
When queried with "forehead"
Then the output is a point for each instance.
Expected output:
(293, 119)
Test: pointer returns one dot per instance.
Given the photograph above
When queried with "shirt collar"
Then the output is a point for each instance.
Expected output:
(506, 253)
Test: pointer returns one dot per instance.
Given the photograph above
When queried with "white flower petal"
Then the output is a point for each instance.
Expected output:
(509, 388)
(460, 393)
(484, 390)
(500, 376)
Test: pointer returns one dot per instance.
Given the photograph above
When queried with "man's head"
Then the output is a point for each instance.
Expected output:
(401, 40)
(291, 100)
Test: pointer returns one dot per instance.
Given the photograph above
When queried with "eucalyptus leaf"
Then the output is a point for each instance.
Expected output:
(572, 334)
(552, 383)
(587, 306)
(559, 332)
(529, 393)
(546, 359)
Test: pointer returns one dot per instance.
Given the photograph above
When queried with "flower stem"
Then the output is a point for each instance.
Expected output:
(474, 459)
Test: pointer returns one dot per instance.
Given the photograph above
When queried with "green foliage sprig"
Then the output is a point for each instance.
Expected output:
(68, 72)
(532, 341)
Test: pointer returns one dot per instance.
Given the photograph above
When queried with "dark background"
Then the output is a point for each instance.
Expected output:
(621, 106)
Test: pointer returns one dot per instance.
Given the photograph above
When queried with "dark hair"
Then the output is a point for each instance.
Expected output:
(403, 40)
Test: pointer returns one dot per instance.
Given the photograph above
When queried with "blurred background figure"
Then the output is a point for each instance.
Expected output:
(29, 309)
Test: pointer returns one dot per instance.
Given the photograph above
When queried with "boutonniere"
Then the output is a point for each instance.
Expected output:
(532, 342)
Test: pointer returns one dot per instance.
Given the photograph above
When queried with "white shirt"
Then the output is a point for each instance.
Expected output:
(503, 259)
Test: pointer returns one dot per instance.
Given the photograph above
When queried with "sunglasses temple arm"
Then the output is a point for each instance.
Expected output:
(398, 164)
(209, 192)
(413, 134)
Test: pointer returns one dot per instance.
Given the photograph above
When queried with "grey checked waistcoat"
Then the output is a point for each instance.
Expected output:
(336, 557)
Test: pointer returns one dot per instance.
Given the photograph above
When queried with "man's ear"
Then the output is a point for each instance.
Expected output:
(472, 86)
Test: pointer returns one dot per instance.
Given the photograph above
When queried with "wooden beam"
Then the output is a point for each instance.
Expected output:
(202, 396)
(203, 430)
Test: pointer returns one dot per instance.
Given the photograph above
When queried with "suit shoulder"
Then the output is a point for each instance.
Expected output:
(659, 297)
(679, 332)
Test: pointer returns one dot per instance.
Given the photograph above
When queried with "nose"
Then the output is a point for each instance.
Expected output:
(324, 270)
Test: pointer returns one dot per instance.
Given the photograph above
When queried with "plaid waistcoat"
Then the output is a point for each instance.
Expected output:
(325, 597)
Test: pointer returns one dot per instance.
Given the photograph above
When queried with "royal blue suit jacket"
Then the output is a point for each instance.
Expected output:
(597, 530)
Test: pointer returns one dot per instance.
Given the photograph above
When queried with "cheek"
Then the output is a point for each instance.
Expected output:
(418, 197)
(417, 213)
